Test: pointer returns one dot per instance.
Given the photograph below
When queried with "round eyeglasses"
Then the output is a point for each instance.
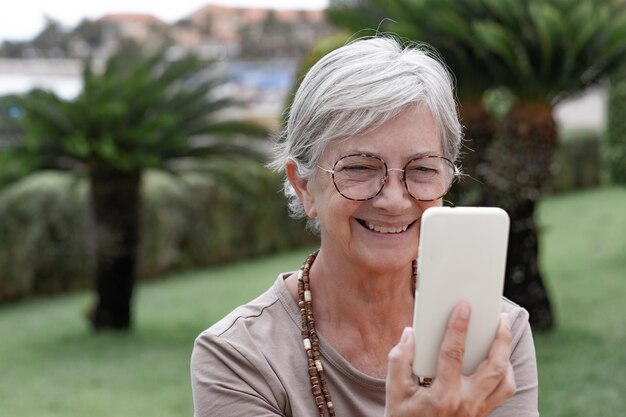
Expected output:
(362, 177)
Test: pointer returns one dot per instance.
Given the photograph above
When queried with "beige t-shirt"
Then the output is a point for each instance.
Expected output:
(252, 364)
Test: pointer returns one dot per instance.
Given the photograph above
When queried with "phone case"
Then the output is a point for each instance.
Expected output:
(462, 256)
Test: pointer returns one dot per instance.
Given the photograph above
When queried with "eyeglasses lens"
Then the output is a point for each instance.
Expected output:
(361, 177)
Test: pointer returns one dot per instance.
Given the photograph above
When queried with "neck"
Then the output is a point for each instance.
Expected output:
(368, 302)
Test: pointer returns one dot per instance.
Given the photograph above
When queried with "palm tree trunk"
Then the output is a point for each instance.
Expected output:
(519, 169)
(479, 132)
(115, 199)
(524, 283)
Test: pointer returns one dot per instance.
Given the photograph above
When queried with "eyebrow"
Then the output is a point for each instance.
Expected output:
(368, 153)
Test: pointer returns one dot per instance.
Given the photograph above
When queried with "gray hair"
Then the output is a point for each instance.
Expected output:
(355, 89)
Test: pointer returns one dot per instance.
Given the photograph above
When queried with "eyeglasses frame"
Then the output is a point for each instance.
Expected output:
(456, 174)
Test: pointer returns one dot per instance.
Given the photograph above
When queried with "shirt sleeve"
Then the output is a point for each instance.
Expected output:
(226, 383)
(525, 401)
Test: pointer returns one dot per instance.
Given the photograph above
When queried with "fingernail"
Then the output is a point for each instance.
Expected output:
(464, 311)
(405, 336)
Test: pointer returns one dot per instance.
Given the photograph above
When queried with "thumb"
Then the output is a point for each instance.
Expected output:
(399, 368)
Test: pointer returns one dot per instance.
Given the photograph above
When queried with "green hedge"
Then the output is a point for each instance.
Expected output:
(615, 149)
(188, 222)
(42, 236)
(578, 165)
(579, 161)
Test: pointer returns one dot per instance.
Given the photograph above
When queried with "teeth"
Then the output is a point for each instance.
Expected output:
(383, 229)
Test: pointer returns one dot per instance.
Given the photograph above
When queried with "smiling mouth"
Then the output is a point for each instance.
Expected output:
(384, 229)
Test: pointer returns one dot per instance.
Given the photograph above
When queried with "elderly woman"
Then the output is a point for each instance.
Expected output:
(369, 146)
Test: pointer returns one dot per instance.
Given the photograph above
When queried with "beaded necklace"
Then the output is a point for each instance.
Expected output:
(317, 377)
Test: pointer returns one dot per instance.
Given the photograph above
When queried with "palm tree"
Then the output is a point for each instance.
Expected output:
(146, 113)
(542, 51)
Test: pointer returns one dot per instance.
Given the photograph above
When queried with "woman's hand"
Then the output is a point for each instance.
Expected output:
(451, 393)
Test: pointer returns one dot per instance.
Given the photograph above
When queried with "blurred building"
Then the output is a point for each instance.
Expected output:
(139, 27)
(258, 49)
(250, 33)
(63, 76)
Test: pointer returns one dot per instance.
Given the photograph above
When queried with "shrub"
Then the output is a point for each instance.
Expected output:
(43, 223)
(615, 149)
(188, 222)
(579, 161)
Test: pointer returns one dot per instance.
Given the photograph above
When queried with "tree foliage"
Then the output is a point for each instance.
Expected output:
(541, 49)
(135, 113)
(131, 117)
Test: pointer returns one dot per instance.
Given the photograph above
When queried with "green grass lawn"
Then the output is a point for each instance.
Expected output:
(51, 365)
(582, 365)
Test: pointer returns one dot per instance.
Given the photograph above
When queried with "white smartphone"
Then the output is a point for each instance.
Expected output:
(462, 256)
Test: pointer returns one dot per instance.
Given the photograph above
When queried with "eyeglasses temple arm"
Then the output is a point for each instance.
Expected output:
(330, 171)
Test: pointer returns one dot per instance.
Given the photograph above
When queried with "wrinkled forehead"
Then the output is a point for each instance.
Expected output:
(411, 133)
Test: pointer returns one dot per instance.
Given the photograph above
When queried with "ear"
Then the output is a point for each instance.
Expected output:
(301, 187)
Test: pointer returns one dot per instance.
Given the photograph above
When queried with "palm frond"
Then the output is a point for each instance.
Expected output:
(234, 127)
(134, 115)
(547, 24)
(546, 49)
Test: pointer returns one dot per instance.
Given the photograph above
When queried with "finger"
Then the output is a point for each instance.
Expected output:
(493, 371)
(453, 346)
(500, 351)
(399, 372)
(504, 390)
(501, 346)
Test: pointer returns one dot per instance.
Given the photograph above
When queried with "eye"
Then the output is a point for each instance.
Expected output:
(358, 164)
(360, 167)
(420, 170)
(423, 168)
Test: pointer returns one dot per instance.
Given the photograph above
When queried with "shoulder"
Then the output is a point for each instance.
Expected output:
(246, 315)
(522, 343)
(525, 401)
(240, 356)
(509, 306)
(254, 333)
(256, 320)
(518, 316)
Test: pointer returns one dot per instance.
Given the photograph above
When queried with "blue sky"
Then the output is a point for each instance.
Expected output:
(22, 19)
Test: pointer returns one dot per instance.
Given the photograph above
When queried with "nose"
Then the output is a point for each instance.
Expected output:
(394, 196)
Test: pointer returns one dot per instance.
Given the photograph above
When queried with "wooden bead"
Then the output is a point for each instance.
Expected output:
(317, 377)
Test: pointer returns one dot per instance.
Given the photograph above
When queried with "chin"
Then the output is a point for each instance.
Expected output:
(384, 260)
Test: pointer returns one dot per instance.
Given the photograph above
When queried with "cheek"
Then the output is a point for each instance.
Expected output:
(423, 205)
(337, 210)
(322, 200)
(317, 197)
